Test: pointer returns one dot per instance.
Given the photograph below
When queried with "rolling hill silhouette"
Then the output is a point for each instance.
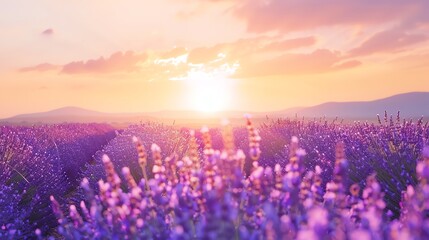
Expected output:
(415, 104)
(411, 105)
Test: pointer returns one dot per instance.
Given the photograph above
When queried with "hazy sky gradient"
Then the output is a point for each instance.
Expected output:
(254, 55)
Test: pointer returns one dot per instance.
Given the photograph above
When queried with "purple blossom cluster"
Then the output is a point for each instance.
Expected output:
(208, 194)
(34, 164)
(389, 148)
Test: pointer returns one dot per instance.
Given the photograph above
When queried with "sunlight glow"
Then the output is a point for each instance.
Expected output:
(209, 85)
(210, 90)
(173, 61)
(210, 95)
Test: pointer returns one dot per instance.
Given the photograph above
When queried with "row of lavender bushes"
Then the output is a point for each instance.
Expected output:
(388, 148)
(38, 161)
(376, 188)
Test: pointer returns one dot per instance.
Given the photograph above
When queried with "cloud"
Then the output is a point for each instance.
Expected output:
(319, 61)
(117, 62)
(248, 47)
(44, 67)
(206, 54)
(289, 44)
(345, 65)
(298, 15)
(48, 32)
(173, 53)
(388, 41)
(242, 58)
(233, 51)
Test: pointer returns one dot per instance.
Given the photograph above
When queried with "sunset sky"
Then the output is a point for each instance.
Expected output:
(208, 55)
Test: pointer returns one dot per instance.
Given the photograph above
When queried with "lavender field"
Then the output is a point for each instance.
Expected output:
(282, 179)
(214, 119)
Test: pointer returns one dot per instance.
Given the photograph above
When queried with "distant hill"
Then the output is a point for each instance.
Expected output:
(411, 105)
(60, 112)
(75, 114)
(81, 115)
(415, 104)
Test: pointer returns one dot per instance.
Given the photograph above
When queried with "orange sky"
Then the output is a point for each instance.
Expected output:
(209, 55)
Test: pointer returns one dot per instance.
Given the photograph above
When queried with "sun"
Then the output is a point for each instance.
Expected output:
(209, 85)
(211, 95)
(208, 93)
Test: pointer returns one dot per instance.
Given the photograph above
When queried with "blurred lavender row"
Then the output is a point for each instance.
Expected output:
(39, 161)
(331, 181)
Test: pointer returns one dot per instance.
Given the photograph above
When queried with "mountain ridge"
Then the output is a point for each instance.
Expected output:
(412, 104)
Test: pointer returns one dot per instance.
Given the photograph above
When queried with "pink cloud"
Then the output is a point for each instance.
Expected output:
(297, 15)
(245, 53)
(388, 41)
(245, 48)
(205, 54)
(346, 65)
(117, 62)
(48, 32)
(289, 44)
(233, 50)
(44, 67)
(173, 53)
(319, 61)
